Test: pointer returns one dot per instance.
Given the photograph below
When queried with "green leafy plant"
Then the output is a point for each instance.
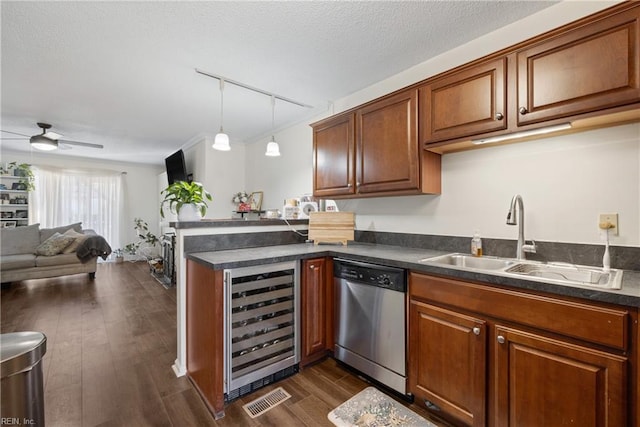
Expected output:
(147, 238)
(23, 170)
(183, 193)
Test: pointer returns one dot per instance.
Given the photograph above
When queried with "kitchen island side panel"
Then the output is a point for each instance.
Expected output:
(205, 334)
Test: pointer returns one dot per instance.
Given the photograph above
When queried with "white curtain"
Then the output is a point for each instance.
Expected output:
(65, 196)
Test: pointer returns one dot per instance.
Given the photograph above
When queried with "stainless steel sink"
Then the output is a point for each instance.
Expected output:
(470, 261)
(571, 274)
(557, 273)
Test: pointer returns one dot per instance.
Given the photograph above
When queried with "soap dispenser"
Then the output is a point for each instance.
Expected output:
(476, 244)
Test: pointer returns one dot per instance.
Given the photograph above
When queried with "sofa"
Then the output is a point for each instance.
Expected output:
(32, 252)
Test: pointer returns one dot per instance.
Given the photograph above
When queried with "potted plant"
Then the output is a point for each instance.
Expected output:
(143, 248)
(22, 170)
(119, 254)
(188, 199)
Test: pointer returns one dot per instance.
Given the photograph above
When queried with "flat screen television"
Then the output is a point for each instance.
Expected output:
(176, 170)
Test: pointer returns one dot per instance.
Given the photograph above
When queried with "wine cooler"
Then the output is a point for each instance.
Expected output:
(262, 319)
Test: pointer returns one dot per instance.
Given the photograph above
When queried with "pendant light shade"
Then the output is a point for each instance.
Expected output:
(273, 149)
(221, 142)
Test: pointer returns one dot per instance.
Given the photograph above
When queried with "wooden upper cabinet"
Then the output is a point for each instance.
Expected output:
(545, 382)
(593, 67)
(388, 157)
(374, 151)
(447, 362)
(466, 103)
(334, 156)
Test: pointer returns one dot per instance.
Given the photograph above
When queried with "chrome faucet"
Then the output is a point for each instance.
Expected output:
(513, 220)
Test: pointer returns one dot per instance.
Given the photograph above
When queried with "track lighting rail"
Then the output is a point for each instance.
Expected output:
(253, 88)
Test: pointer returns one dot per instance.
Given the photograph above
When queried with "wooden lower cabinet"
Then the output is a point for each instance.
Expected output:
(205, 334)
(447, 362)
(479, 361)
(546, 382)
(315, 308)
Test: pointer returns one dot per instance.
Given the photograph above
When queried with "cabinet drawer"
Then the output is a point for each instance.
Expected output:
(587, 322)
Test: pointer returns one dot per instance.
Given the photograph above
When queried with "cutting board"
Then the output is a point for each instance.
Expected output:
(331, 227)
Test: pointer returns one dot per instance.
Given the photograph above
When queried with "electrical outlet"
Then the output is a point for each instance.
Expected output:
(611, 219)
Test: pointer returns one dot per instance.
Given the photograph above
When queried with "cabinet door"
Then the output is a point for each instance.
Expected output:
(333, 156)
(447, 362)
(593, 67)
(469, 102)
(545, 382)
(313, 309)
(387, 145)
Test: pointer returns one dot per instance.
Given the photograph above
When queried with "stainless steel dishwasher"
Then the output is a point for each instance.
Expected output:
(370, 320)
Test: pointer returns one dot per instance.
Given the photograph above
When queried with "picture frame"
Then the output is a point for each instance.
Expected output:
(9, 224)
(255, 200)
(19, 186)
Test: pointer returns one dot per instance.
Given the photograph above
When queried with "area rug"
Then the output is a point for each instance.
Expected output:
(372, 408)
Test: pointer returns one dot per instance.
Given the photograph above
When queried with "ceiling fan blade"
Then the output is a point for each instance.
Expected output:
(14, 133)
(80, 144)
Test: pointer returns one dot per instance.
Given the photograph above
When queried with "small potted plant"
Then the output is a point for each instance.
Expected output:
(188, 199)
(22, 170)
(241, 199)
(119, 254)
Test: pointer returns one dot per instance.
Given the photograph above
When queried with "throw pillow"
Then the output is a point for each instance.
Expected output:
(78, 239)
(54, 245)
(45, 233)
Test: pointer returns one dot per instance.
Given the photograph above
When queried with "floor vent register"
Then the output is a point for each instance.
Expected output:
(270, 400)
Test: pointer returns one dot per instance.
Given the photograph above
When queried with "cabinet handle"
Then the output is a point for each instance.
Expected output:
(312, 267)
(522, 111)
(349, 185)
(501, 339)
(358, 184)
(499, 116)
(476, 330)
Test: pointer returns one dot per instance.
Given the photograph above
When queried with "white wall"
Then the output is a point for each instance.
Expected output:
(286, 176)
(140, 202)
(565, 181)
(222, 173)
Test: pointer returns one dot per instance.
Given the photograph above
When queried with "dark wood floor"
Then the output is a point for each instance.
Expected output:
(110, 346)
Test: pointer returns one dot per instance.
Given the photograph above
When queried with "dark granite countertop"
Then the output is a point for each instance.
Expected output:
(233, 222)
(409, 258)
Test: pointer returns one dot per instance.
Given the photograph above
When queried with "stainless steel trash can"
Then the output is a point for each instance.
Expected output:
(22, 401)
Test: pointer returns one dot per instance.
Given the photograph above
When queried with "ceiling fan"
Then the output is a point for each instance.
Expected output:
(47, 140)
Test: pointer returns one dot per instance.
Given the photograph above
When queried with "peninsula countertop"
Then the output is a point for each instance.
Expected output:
(409, 258)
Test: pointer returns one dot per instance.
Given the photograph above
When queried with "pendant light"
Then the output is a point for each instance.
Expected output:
(273, 149)
(221, 142)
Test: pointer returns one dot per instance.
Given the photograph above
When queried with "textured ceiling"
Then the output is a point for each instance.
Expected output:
(122, 74)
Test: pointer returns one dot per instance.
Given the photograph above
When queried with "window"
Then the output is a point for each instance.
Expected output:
(65, 196)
